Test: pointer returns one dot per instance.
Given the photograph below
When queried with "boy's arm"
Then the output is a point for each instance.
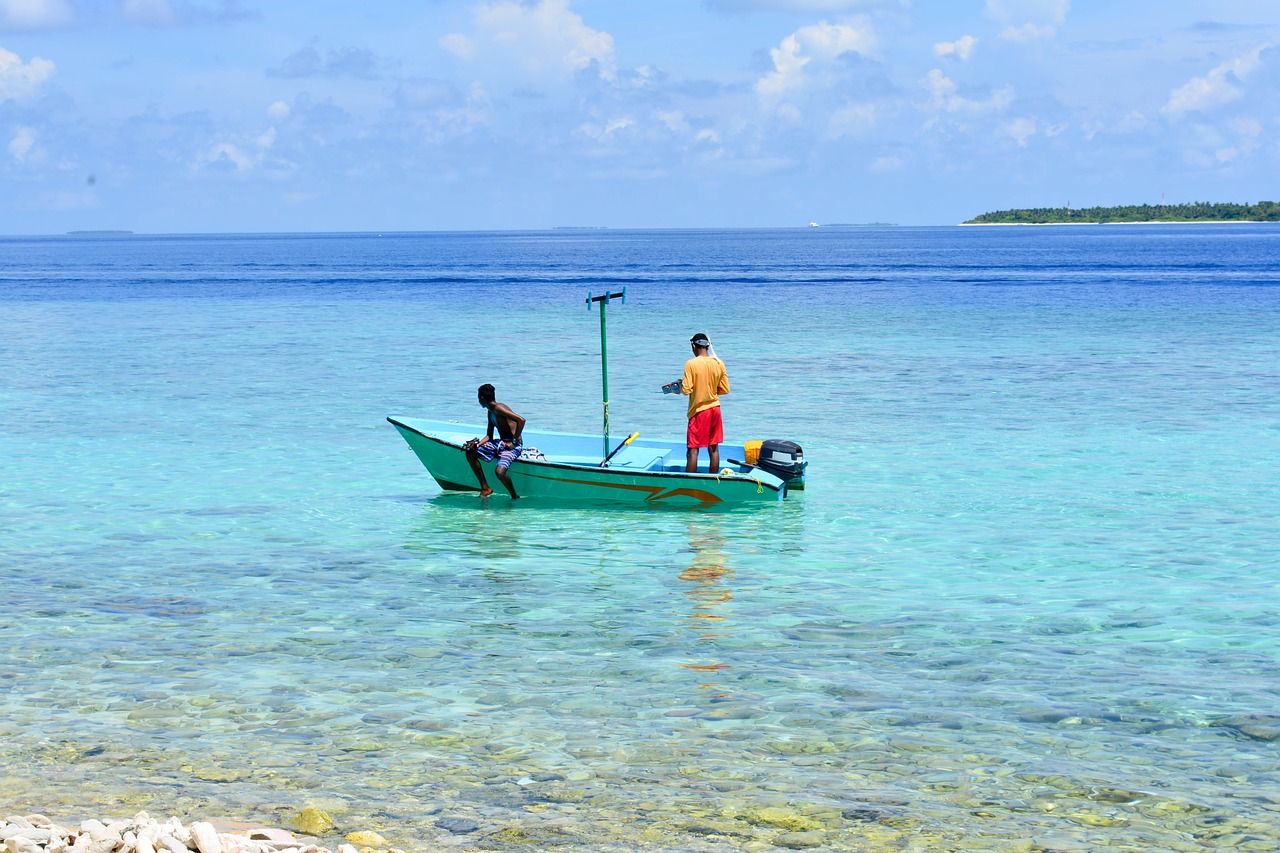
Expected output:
(504, 410)
(723, 386)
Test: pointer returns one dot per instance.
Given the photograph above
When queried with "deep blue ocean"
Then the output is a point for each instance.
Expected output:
(1030, 599)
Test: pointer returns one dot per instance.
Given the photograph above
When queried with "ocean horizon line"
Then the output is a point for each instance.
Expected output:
(124, 234)
(569, 229)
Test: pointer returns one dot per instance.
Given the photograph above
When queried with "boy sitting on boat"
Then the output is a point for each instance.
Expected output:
(506, 448)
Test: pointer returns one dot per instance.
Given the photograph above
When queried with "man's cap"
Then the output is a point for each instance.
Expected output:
(700, 340)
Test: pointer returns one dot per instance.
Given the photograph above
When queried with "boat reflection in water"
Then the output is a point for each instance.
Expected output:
(708, 578)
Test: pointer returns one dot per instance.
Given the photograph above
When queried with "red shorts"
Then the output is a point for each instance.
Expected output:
(705, 428)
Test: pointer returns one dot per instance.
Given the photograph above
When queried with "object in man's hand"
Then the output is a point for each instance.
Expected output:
(673, 387)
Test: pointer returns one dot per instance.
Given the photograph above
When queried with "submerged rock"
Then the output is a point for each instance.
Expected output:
(865, 814)
(457, 825)
(535, 836)
(1257, 726)
(801, 840)
(710, 831)
(366, 838)
(313, 821)
(787, 819)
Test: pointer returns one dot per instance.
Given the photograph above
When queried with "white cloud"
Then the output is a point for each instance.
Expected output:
(888, 164)
(788, 68)
(678, 124)
(1027, 20)
(544, 39)
(353, 62)
(22, 143)
(1027, 32)
(226, 152)
(940, 86)
(1021, 129)
(35, 14)
(238, 158)
(790, 113)
(943, 91)
(1247, 127)
(18, 79)
(1210, 145)
(673, 120)
(278, 111)
(820, 45)
(1248, 131)
(458, 44)
(602, 132)
(1216, 88)
(961, 48)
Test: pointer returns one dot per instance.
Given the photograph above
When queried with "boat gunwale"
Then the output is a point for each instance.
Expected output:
(683, 475)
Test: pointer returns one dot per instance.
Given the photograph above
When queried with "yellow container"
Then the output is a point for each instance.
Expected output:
(752, 449)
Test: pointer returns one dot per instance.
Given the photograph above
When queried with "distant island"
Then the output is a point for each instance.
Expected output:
(1199, 211)
(97, 233)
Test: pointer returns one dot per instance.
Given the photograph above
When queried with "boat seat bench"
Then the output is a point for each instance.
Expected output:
(643, 458)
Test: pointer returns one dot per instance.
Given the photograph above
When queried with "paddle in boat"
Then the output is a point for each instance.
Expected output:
(581, 467)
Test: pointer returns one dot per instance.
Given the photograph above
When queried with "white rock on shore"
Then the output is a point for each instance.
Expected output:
(144, 834)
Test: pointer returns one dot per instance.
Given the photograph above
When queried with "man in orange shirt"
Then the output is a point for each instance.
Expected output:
(704, 381)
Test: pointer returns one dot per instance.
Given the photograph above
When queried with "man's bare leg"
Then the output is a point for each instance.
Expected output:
(474, 459)
(506, 481)
(691, 460)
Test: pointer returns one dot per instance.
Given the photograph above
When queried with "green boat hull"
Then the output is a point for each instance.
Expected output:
(646, 472)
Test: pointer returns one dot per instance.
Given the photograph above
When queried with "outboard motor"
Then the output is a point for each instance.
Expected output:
(783, 459)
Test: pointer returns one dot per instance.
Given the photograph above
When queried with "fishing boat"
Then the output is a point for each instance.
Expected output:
(568, 466)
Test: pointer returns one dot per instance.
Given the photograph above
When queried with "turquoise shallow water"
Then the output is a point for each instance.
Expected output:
(1029, 597)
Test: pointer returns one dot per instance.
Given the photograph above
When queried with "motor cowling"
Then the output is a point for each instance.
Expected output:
(781, 458)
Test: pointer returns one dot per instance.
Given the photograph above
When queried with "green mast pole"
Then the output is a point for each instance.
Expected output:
(603, 299)
(604, 374)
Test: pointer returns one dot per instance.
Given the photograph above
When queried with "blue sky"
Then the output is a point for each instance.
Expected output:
(327, 115)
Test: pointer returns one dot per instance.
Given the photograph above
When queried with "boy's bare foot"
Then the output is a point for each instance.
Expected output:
(485, 492)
